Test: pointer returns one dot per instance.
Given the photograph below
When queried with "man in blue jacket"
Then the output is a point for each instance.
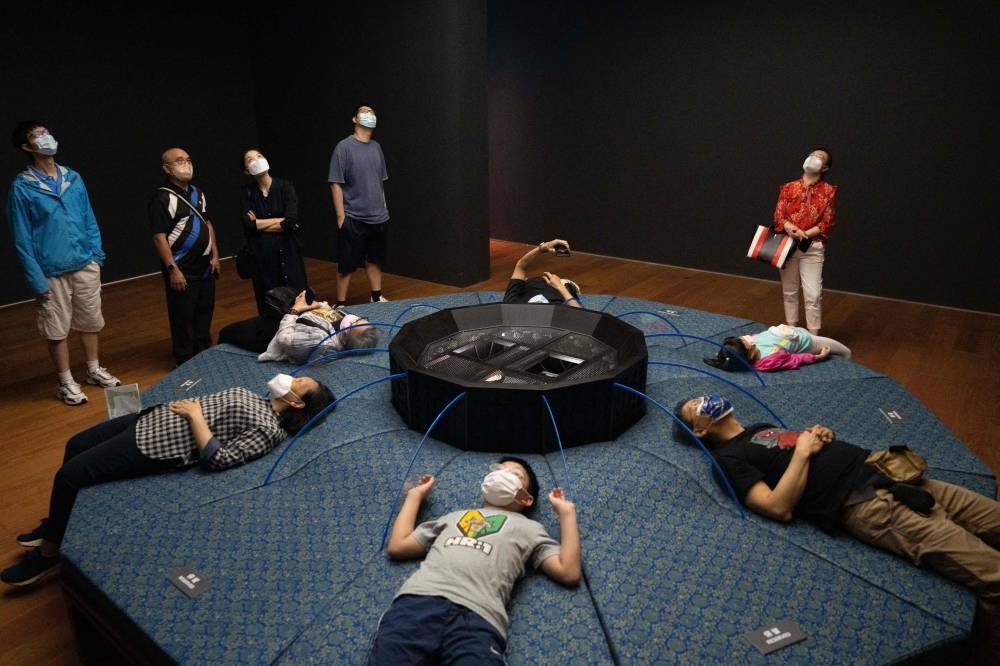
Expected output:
(59, 245)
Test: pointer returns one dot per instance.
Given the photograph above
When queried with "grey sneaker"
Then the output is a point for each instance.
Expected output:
(381, 299)
(71, 394)
(101, 377)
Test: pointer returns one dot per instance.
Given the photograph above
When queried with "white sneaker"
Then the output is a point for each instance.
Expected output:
(71, 394)
(381, 299)
(101, 377)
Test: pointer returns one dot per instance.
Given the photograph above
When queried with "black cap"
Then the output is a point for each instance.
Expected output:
(727, 359)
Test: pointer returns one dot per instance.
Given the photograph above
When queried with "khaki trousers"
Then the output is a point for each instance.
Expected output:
(959, 539)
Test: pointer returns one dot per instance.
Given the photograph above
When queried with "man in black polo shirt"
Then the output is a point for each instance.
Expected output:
(189, 259)
(547, 288)
(783, 474)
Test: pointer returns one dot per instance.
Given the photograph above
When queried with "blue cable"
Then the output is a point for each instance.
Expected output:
(323, 411)
(336, 355)
(402, 486)
(330, 335)
(723, 379)
(711, 458)
(415, 305)
(717, 344)
(654, 314)
(558, 438)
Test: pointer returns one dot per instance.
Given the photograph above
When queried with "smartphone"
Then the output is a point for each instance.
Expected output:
(310, 295)
(562, 250)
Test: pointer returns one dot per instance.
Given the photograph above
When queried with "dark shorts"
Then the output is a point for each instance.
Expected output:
(357, 243)
(430, 630)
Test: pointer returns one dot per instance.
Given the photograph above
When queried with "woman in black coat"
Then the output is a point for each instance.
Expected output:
(269, 210)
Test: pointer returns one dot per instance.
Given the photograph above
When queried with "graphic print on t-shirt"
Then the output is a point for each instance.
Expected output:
(770, 438)
(475, 524)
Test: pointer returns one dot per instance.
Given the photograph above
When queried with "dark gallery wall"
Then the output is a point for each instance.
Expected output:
(422, 67)
(648, 131)
(662, 131)
(117, 88)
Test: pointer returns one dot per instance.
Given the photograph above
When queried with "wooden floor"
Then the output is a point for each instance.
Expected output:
(949, 359)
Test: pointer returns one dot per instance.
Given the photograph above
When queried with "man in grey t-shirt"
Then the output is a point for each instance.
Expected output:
(454, 606)
(357, 174)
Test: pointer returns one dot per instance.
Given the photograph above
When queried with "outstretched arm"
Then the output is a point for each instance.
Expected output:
(402, 544)
(521, 267)
(564, 567)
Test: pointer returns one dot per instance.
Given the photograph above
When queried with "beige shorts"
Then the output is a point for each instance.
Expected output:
(74, 303)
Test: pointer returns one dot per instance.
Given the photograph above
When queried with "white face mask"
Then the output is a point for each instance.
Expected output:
(280, 385)
(500, 486)
(182, 173)
(812, 164)
(348, 321)
(367, 119)
(46, 144)
(258, 166)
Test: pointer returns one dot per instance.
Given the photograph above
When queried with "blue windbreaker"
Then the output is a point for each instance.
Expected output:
(54, 233)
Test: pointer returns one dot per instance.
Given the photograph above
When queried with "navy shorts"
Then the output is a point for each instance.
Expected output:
(358, 243)
(430, 630)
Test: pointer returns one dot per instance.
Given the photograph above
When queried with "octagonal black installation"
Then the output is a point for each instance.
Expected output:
(505, 357)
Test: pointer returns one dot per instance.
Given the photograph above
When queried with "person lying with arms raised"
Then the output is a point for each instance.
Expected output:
(454, 608)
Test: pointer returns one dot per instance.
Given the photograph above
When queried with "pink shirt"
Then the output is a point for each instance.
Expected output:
(782, 359)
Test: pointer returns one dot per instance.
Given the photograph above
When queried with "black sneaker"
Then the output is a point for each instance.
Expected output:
(33, 539)
(34, 568)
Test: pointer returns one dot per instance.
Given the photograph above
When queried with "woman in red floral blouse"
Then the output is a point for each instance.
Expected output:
(805, 210)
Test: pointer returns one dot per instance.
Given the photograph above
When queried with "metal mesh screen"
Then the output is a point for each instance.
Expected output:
(474, 355)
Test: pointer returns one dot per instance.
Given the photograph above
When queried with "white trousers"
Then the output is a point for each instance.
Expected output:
(805, 269)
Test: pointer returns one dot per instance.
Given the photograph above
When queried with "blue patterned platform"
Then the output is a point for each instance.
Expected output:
(675, 573)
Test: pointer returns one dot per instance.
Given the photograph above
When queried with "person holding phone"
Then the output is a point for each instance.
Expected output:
(546, 288)
(189, 257)
(269, 211)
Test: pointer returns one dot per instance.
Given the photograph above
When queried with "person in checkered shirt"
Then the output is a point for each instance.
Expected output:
(218, 431)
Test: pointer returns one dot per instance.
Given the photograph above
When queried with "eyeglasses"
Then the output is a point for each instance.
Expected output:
(180, 161)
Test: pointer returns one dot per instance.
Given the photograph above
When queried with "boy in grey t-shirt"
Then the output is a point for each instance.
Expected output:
(453, 609)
